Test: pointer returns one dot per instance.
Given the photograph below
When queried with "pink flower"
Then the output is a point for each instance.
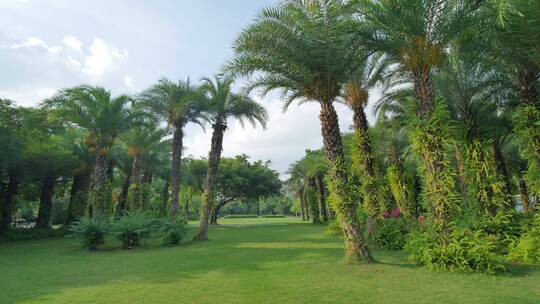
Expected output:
(387, 214)
(395, 212)
(422, 220)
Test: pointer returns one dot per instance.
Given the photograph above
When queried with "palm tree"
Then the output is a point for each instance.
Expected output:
(369, 75)
(415, 34)
(179, 104)
(301, 48)
(223, 104)
(104, 118)
(514, 48)
(140, 141)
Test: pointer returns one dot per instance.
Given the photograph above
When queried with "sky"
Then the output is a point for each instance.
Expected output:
(126, 46)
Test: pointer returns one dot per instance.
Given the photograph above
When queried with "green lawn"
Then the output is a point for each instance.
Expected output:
(246, 261)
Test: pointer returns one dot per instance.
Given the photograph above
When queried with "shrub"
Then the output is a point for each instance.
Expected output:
(174, 232)
(26, 213)
(91, 232)
(527, 248)
(132, 228)
(25, 234)
(273, 216)
(465, 251)
(334, 229)
(502, 230)
(391, 233)
(241, 216)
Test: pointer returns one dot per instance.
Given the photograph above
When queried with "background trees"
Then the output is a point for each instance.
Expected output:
(299, 47)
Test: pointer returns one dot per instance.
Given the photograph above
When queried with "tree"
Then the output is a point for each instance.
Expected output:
(239, 179)
(104, 118)
(179, 104)
(514, 48)
(11, 158)
(140, 141)
(415, 34)
(370, 74)
(301, 48)
(222, 105)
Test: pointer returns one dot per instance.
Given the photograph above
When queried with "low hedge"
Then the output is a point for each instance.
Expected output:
(241, 216)
(273, 216)
(24, 234)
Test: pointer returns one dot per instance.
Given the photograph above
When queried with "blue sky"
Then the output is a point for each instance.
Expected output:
(128, 45)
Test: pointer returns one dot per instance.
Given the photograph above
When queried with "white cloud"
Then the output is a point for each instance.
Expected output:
(73, 62)
(128, 81)
(29, 96)
(102, 58)
(33, 42)
(73, 42)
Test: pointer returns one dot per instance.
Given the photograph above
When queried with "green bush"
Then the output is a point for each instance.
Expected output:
(502, 230)
(273, 216)
(391, 233)
(26, 213)
(527, 248)
(25, 234)
(91, 232)
(241, 216)
(132, 228)
(334, 229)
(174, 232)
(466, 251)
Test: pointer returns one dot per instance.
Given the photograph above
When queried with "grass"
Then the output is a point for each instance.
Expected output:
(246, 261)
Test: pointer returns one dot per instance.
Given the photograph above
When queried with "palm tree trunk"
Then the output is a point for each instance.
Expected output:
(501, 167)
(100, 197)
(6, 201)
(213, 164)
(344, 206)
(78, 195)
(370, 181)
(177, 146)
(189, 196)
(461, 170)
(45, 202)
(322, 197)
(136, 199)
(165, 195)
(428, 141)
(301, 200)
(121, 207)
(524, 195)
(312, 200)
(527, 128)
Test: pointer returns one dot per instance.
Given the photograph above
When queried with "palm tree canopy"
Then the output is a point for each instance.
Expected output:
(95, 110)
(222, 103)
(414, 33)
(179, 103)
(298, 47)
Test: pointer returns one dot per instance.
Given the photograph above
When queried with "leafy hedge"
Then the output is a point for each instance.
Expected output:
(273, 216)
(130, 229)
(24, 234)
(241, 216)
(465, 250)
(527, 248)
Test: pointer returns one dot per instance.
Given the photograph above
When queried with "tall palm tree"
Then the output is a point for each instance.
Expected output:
(514, 48)
(369, 75)
(140, 141)
(301, 47)
(415, 34)
(223, 104)
(179, 104)
(105, 118)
